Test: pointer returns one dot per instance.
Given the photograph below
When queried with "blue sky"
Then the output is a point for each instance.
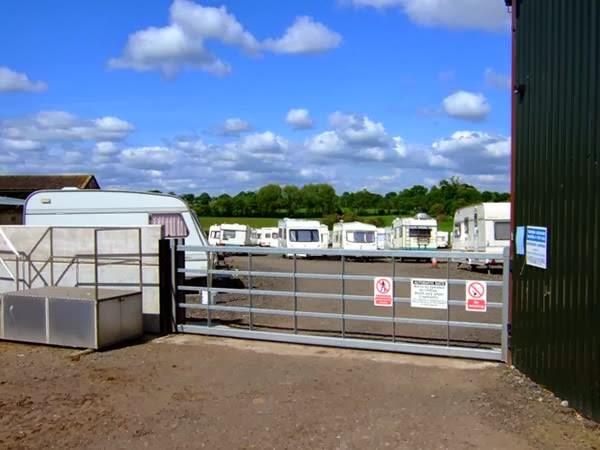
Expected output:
(221, 96)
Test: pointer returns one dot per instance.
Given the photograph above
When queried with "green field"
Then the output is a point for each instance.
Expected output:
(258, 222)
(254, 222)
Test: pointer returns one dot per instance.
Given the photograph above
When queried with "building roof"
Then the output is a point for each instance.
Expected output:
(8, 201)
(22, 185)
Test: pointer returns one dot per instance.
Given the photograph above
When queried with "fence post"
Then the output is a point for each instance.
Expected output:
(505, 301)
(176, 261)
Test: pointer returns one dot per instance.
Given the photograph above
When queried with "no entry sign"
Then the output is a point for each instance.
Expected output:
(476, 296)
(383, 291)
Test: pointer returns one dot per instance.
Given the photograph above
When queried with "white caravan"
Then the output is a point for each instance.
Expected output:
(268, 237)
(482, 228)
(381, 238)
(254, 237)
(354, 236)
(442, 239)
(389, 235)
(235, 234)
(214, 235)
(299, 234)
(324, 236)
(414, 233)
(99, 208)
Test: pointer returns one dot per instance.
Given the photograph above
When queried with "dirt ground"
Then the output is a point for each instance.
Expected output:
(366, 329)
(196, 392)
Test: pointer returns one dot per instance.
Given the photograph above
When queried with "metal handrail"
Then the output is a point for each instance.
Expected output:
(440, 254)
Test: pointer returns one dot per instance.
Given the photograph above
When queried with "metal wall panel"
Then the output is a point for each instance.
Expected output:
(556, 312)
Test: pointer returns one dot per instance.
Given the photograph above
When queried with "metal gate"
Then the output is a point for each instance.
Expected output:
(325, 297)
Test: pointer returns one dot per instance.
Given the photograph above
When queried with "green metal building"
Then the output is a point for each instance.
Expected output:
(556, 185)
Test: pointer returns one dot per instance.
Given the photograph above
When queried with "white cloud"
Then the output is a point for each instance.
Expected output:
(305, 36)
(261, 143)
(20, 145)
(191, 146)
(327, 143)
(359, 130)
(372, 153)
(168, 50)
(496, 80)
(299, 119)
(61, 126)
(235, 126)
(471, 152)
(487, 15)
(466, 105)
(356, 137)
(436, 160)
(11, 81)
(148, 158)
(400, 146)
(181, 44)
(105, 151)
(113, 125)
(207, 22)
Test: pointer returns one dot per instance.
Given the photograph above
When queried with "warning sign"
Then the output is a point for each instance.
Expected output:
(429, 293)
(476, 296)
(383, 291)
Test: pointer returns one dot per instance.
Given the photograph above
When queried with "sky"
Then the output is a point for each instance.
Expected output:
(221, 96)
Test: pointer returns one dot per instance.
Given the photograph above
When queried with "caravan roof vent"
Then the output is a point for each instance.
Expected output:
(70, 188)
(422, 216)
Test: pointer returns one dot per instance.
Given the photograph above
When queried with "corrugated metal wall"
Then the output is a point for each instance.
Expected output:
(556, 312)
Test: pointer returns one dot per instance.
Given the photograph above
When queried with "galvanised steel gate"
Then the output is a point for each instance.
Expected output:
(325, 297)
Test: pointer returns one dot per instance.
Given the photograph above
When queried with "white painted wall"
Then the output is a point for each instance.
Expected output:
(73, 255)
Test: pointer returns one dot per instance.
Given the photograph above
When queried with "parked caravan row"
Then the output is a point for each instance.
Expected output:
(231, 234)
(242, 235)
(354, 236)
(268, 237)
(478, 228)
(414, 233)
(302, 234)
(482, 228)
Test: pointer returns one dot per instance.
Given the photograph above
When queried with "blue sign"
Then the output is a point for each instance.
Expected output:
(536, 247)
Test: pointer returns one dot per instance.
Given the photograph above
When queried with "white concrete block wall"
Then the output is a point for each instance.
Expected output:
(73, 250)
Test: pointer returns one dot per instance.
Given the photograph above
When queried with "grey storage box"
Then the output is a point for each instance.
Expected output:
(71, 316)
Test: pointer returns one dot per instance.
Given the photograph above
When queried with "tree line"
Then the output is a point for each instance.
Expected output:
(320, 200)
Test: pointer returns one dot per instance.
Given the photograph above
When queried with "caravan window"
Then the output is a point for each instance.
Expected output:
(502, 231)
(304, 235)
(275, 236)
(215, 234)
(361, 237)
(173, 224)
(466, 226)
(228, 234)
(419, 232)
(457, 230)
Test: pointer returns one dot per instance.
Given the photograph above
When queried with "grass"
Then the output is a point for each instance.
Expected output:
(254, 222)
(258, 222)
(387, 220)
(446, 224)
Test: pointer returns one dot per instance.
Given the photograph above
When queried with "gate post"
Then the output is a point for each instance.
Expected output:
(171, 315)
(505, 304)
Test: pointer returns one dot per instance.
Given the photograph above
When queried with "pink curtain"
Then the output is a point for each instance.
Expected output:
(173, 224)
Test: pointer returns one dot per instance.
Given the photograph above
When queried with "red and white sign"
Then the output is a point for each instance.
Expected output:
(476, 299)
(383, 291)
